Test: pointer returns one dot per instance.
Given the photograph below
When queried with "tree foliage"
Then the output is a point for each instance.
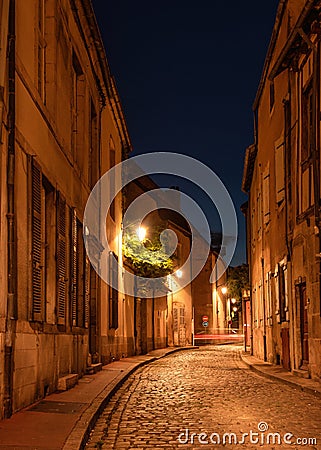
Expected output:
(237, 281)
(147, 258)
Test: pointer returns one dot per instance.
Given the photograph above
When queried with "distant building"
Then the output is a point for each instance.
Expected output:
(210, 299)
(282, 179)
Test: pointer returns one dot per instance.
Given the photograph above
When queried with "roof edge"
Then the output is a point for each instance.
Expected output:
(275, 33)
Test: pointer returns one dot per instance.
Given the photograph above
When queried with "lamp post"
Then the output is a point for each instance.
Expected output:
(246, 298)
(228, 309)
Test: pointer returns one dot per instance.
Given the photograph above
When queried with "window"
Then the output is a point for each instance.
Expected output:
(61, 260)
(113, 291)
(255, 306)
(272, 95)
(42, 245)
(260, 304)
(78, 107)
(80, 275)
(269, 311)
(259, 215)
(307, 123)
(38, 256)
(282, 293)
(307, 192)
(181, 316)
(279, 171)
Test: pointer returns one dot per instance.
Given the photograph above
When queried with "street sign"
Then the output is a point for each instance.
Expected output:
(205, 323)
(205, 318)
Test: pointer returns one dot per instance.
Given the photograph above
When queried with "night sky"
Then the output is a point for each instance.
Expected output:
(187, 74)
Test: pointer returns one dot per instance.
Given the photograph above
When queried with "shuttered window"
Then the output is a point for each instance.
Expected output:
(87, 291)
(38, 272)
(282, 312)
(269, 309)
(80, 275)
(73, 267)
(43, 246)
(113, 292)
(307, 123)
(61, 260)
(279, 171)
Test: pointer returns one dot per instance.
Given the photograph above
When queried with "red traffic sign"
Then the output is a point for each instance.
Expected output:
(205, 318)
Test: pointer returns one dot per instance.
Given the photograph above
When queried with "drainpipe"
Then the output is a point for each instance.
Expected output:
(12, 255)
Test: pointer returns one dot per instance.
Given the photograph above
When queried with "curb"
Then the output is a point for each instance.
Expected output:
(80, 433)
(281, 379)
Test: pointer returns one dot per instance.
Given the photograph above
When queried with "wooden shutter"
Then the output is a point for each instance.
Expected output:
(113, 300)
(87, 291)
(279, 171)
(61, 260)
(277, 292)
(74, 267)
(37, 246)
(80, 276)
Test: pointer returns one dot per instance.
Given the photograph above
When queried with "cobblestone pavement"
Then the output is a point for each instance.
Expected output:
(208, 390)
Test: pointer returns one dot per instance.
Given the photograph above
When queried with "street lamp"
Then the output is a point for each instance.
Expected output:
(141, 233)
(179, 273)
(224, 290)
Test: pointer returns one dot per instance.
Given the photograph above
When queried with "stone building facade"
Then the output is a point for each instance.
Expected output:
(210, 299)
(61, 128)
(282, 179)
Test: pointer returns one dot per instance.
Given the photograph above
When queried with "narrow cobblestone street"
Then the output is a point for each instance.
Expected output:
(209, 390)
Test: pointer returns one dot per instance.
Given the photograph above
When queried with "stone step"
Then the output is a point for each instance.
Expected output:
(67, 382)
(301, 373)
(94, 368)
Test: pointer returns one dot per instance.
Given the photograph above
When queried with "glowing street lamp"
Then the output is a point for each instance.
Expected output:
(224, 290)
(141, 233)
(179, 274)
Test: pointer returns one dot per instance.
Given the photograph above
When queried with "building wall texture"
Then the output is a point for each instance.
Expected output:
(282, 178)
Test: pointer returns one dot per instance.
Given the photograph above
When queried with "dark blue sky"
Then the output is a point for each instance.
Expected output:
(187, 73)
